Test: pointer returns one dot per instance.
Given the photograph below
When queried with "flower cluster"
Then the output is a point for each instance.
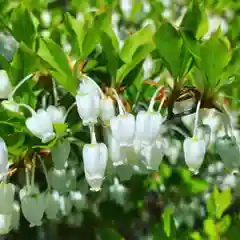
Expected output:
(130, 140)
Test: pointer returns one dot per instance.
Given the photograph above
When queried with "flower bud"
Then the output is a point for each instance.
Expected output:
(230, 181)
(52, 204)
(65, 205)
(95, 161)
(3, 157)
(71, 180)
(148, 126)
(118, 192)
(88, 106)
(5, 85)
(60, 153)
(107, 109)
(56, 114)
(58, 179)
(41, 126)
(194, 152)
(152, 155)
(33, 207)
(125, 172)
(79, 200)
(228, 150)
(7, 192)
(123, 129)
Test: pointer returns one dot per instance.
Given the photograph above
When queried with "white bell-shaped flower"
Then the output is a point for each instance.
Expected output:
(58, 179)
(26, 190)
(172, 149)
(116, 153)
(118, 192)
(3, 157)
(10, 106)
(107, 109)
(89, 87)
(125, 172)
(7, 192)
(88, 106)
(56, 114)
(16, 212)
(79, 200)
(152, 155)
(52, 204)
(148, 126)
(229, 181)
(194, 152)
(229, 152)
(204, 132)
(95, 161)
(41, 126)
(33, 207)
(123, 129)
(65, 205)
(71, 180)
(5, 223)
(5, 85)
(60, 153)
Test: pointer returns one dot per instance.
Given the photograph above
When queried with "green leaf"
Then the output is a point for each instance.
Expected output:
(167, 219)
(211, 208)
(196, 236)
(111, 55)
(169, 44)
(36, 4)
(52, 53)
(78, 28)
(60, 129)
(92, 36)
(222, 202)
(69, 82)
(15, 143)
(210, 229)
(215, 56)
(23, 28)
(195, 20)
(198, 185)
(224, 224)
(140, 54)
(134, 42)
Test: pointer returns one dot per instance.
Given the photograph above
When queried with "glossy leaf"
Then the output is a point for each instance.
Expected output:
(195, 20)
(52, 53)
(130, 46)
(169, 44)
(78, 28)
(23, 28)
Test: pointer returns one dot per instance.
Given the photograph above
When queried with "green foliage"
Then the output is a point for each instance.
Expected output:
(110, 44)
(50, 52)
